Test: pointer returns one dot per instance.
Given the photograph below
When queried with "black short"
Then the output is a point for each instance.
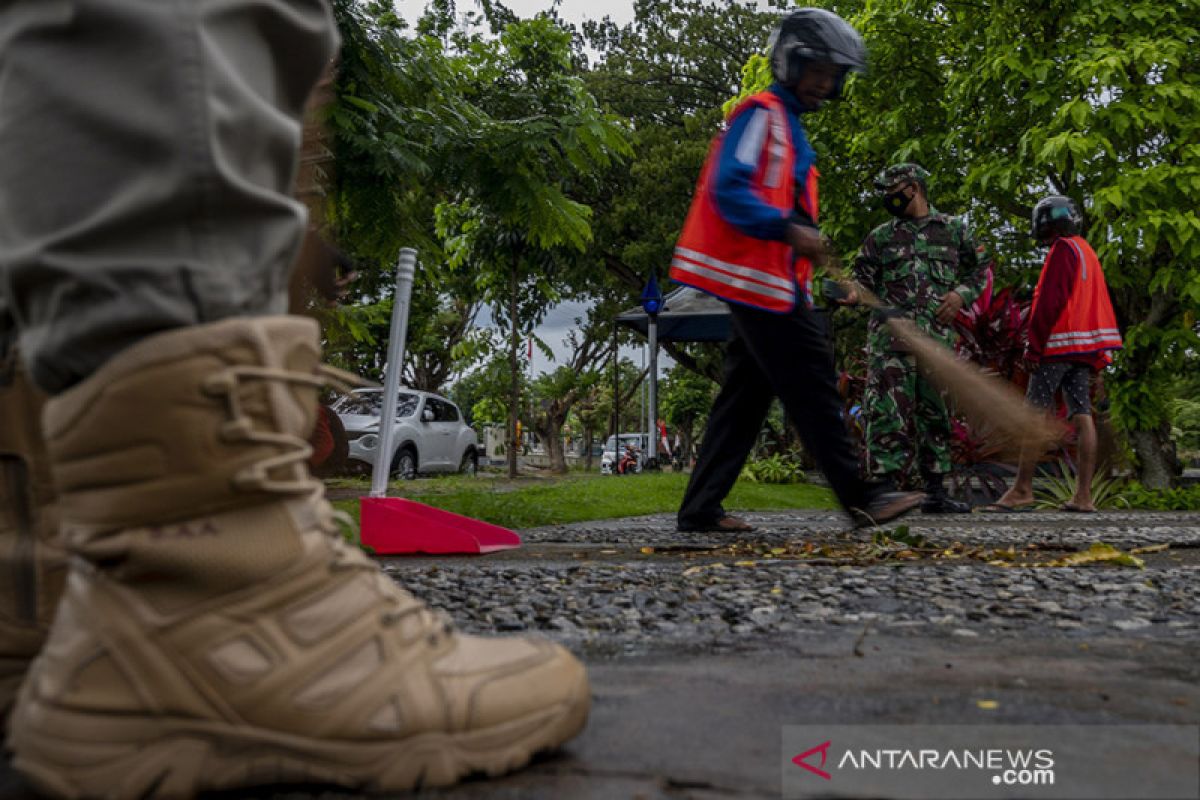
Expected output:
(1072, 377)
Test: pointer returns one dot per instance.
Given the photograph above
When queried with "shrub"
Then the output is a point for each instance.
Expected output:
(1106, 492)
(777, 468)
(1178, 499)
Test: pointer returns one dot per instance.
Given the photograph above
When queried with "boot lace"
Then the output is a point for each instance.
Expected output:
(240, 427)
(296, 452)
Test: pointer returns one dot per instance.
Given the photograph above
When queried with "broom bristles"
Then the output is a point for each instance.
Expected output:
(995, 408)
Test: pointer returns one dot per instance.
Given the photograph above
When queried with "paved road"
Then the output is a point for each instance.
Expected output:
(702, 648)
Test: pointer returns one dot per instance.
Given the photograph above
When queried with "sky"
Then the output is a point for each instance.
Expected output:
(554, 329)
(577, 10)
(571, 10)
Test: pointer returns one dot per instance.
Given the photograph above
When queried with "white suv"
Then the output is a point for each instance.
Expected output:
(429, 434)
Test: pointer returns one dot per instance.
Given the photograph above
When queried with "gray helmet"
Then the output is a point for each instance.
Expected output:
(1056, 215)
(814, 34)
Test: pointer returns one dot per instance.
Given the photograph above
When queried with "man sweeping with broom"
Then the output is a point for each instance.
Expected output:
(750, 238)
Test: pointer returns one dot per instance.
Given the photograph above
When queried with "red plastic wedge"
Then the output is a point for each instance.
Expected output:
(394, 526)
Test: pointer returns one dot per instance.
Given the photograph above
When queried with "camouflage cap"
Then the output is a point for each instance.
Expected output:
(901, 172)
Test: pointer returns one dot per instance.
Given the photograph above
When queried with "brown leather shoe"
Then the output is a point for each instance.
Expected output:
(725, 524)
(885, 507)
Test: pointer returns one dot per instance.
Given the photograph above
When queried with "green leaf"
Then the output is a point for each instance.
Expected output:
(1080, 111)
(358, 102)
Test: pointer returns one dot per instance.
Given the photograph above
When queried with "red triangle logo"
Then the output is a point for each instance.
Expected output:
(801, 760)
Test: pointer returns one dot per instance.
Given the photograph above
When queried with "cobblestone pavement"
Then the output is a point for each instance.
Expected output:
(701, 646)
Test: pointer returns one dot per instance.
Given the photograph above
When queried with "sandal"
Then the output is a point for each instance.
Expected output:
(1000, 508)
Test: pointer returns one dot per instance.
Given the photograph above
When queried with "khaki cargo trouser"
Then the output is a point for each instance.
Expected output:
(148, 150)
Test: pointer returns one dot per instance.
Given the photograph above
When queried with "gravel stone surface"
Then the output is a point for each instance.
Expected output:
(1121, 529)
(591, 587)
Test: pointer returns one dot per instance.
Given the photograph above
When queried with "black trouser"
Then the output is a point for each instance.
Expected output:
(773, 355)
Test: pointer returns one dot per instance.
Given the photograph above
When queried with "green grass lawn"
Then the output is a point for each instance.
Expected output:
(533, 502)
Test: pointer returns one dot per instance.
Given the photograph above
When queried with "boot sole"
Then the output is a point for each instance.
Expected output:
(80, 756)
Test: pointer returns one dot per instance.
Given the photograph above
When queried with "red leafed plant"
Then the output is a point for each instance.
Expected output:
(994, 335)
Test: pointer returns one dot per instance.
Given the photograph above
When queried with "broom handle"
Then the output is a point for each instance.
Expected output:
(833, 264)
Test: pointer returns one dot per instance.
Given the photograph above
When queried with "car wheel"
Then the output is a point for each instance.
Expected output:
(470, 463)
(404, 465)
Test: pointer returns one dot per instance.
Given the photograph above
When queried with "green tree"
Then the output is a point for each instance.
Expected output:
(557, 393)
(467, 147)
(590, 418)
(396, 105)
(667, 71)
(685, 401)
(514, 226)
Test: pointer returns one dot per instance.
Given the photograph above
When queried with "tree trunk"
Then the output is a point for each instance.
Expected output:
(549, 428)
(554, 449)
(687, 441)
(1157, 464)
(615, 426)
(515, 396)
(588, 440)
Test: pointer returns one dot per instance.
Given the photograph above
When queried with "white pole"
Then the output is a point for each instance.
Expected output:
(406, 270)
(645, 397)
(652, 341)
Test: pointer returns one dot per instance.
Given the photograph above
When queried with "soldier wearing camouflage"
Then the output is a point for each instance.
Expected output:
(925, 264)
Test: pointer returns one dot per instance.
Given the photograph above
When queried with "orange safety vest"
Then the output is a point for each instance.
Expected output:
(1087, 324)
(715, 257)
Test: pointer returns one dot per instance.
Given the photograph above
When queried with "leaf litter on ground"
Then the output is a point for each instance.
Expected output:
(903, 545)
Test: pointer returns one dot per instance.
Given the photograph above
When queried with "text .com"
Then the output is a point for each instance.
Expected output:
(1024, 777)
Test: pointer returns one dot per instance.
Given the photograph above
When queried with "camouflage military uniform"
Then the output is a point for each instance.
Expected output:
(911, 264)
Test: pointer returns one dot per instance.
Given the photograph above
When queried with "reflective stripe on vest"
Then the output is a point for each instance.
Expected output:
(749, 283)
(753, 273)
(777, 149)
(1073, 338)
(1082, 258)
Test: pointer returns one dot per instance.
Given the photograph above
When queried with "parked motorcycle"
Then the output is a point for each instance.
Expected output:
(630, 460)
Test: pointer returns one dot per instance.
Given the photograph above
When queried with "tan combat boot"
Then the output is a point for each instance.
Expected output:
(32, 566)
(216, 632)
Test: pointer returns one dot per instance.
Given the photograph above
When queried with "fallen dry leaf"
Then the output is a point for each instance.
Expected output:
(696, 570)
(1099, 552)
